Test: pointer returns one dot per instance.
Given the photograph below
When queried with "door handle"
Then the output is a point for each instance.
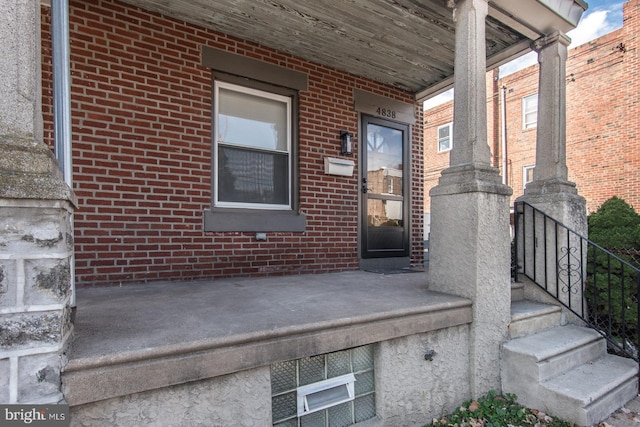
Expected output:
(365, 187)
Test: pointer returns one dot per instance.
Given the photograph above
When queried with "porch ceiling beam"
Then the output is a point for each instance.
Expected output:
(501, 58)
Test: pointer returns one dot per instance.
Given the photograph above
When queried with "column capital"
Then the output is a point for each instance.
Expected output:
(550, 39)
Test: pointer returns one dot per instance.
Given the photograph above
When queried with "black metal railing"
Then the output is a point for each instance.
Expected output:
(596, 285)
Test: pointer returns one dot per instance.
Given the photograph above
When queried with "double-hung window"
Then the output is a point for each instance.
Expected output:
(530, 111)
(527, 175)
(252, 148)
(445, 137)
(254, 179)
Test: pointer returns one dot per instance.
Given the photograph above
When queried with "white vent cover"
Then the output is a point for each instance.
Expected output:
(325, 394)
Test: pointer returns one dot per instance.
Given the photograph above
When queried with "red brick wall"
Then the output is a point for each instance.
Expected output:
(141, 118)
(603, 118)
(521, 143)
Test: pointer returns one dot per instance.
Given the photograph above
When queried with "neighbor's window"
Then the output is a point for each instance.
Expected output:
(530, 111)
(445, 137)
(527, 175)
(252, 167)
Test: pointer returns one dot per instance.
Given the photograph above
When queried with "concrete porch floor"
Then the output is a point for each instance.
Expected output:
(140, 337)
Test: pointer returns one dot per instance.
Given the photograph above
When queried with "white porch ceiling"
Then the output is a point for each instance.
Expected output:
(405, 43)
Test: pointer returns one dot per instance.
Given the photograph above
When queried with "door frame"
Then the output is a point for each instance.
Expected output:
(391, 258)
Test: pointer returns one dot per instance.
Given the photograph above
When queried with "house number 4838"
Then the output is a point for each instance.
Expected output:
(385, 112)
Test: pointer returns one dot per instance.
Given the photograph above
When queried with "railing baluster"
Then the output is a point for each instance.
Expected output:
(610, 320)
(516, 253)
(556, 243)
(569, 269)
(637, 353)
(524, 240)
(581, 277)
(535, 245)
(623, 309)
(595, 285)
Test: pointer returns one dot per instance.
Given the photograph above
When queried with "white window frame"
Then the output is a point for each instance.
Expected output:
(450, 126)
(529, 114)
(525, 171)
(264, 94)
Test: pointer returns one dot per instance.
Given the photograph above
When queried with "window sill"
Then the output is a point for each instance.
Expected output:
(218, 219)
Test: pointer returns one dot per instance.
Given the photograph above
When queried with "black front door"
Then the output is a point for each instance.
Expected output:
(384, 230)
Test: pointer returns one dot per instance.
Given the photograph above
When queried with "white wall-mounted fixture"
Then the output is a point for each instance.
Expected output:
(261, 236)
(325, 394)
(336, 166)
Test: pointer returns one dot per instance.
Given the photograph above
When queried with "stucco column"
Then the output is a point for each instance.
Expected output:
(550, 173)
(470, 242)
(551, 191)
(36, 242)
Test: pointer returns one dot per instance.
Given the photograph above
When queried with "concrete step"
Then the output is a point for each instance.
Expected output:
(544, 355)
(592, 391)
(528, 317)
(566, 372)
(517, 291)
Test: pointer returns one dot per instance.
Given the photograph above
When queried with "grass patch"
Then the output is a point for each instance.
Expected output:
(494, 410)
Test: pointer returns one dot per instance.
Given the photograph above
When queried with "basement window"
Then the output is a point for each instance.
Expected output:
(336, 389)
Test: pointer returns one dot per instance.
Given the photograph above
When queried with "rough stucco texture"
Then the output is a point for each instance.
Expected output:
(242, 399)
(411, 390)
(475, 265)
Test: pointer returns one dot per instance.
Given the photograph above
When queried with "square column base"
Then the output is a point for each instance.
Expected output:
(470, 256)
(560, 200)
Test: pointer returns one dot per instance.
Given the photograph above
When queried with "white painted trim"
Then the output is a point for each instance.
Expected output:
(20, 282)
(33, 351)
(33, 308)
(35, 256)
(13, 380)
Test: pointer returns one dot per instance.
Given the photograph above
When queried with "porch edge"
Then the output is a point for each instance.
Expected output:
(99, 378)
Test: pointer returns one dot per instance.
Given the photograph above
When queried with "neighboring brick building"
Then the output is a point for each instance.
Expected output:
(142, 154)
(603, 119)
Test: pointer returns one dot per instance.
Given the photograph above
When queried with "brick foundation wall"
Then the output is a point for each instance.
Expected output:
(141, 119)
(603, 119)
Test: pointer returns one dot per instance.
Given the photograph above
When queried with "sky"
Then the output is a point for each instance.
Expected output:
(602, 17)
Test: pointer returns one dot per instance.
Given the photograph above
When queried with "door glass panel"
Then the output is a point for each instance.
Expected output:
(384, 222)
(384, 175)
(387, 213)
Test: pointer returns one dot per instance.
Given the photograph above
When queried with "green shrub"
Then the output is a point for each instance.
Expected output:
(615, 225)
(494, 410)
(611, 289)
